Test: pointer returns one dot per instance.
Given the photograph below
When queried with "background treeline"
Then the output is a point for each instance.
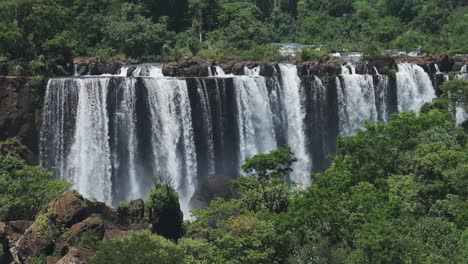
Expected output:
(38, 33)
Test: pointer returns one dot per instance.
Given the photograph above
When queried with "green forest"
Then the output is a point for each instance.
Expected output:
(35, 34)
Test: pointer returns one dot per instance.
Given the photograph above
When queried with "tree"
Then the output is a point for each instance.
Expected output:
(138, 248)
(165, 214)
(24, 189)
(265, 185)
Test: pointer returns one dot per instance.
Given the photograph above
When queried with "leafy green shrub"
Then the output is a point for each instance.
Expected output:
(309, 54)
(24, 189)
(165, 214)
(138, 248)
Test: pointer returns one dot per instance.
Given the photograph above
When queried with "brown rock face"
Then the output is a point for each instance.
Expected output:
(93, 224)
(35, 241)
(19, 104)
(76, 255)
(20, 226)
(69, 208)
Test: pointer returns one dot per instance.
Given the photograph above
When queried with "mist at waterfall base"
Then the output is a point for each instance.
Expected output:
(111, 136)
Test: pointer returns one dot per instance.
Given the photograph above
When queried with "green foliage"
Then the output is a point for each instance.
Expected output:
(24, 189)
(138, 248)
(165, 214)
(457, 92)
(310, 54)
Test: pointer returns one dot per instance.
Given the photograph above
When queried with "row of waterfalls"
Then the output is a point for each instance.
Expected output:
(113, 136)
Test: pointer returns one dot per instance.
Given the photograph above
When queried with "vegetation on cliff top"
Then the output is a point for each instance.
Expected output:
(38, 35)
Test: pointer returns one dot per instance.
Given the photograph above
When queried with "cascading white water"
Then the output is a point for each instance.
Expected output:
(414, 87)
(256, 129)
(125, 123)
(295, 118)
(356, 97)
(113, 130)
(172, 136)
(89, 162)
(252, 72)
(381, 93)
(461, 115)
(206, 112)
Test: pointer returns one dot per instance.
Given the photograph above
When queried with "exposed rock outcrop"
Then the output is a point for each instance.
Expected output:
(96, 66)
(212, 187)
(65, 226)
(20, 103)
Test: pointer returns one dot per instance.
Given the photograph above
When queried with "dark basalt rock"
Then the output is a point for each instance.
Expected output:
(20, 101)
(326, 66)
(384, 65)
(96, 66)
(212, 187)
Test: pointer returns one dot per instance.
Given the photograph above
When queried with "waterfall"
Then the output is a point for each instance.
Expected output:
(255, 119)
(89, 161)
(125, 138)
(293, 101)
(252, 72)
(208, 125)
(357, 100)
(414, 87)
(172, 136)
(110, 136)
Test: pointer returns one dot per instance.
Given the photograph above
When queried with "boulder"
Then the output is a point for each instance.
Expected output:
(93, 224)
(20, 226)
(76, 255)
(36, 240)
(131, 213)
(69, 207)
(214, 186)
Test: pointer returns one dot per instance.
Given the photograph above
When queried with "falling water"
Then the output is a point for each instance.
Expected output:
(295, 117)
(356, 100)
(172, 136)
(89, 162)
(414, 87)
(256, 129)
(110, 135)
(125, 138)
(208, 125)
